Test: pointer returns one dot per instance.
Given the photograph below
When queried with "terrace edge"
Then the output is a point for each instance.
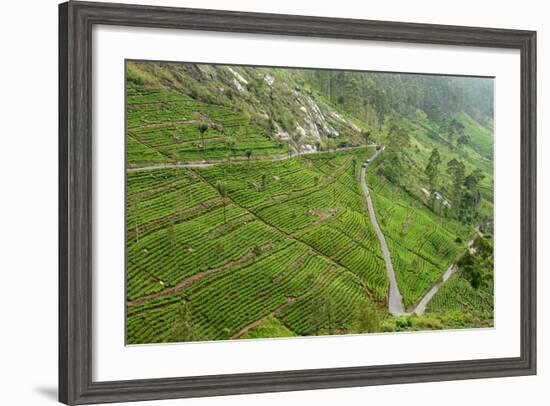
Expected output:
(76, 20)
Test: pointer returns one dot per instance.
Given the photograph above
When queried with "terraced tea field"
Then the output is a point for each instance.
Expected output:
(422, 245)
(177, 232)
(272, 253)
(468, 300)
(163, 126)
(234, 233)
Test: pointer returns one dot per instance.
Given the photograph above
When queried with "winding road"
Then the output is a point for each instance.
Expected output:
(420, 307)
(395, 301)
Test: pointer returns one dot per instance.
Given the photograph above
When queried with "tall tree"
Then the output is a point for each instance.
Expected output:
(366, 136)
(230, 144)
(454, 128)
(461, 142)
(477, 266)
(432, 173)
(398, 142)
(222, 190)
(203, 127)
(398, 138)
(353, 101)
(456, 170)
(472, 194)
(248, 154)
(271, 130)
(330, 144)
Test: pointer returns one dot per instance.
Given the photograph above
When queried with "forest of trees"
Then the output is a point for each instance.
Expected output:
(372, 96)
(382, 99)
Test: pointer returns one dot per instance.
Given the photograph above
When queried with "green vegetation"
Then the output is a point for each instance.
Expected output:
(246, 217)
(467, 297)
(271, 328)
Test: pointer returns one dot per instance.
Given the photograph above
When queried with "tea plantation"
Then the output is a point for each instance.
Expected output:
(245, 215)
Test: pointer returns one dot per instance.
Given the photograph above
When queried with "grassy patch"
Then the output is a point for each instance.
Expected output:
(270, 328)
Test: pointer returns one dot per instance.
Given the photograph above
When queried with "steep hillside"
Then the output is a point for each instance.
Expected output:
(265, 110)
(247, 194)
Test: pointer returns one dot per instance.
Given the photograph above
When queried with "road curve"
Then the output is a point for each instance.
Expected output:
(395, 301)
(420, 308)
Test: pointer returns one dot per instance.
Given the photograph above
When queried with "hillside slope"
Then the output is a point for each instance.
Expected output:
(265, 110)
(246, 216)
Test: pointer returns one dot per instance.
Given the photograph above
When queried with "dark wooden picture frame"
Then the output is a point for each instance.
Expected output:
(76, 20)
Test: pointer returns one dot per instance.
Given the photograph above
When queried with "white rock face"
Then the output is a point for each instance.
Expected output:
(337, 117)
(206, 72)
(315, 108)
(315, 123)
(281, 134)
(356, 128)
(269, 79)
(238, 76)
(237, 85)
(307, 149)
(342, 120)
(320, 119)
(300, 130)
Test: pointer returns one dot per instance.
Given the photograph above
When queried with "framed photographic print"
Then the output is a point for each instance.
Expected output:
(257, 202)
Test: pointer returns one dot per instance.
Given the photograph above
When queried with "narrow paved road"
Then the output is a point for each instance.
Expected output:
(420, 308)
(209, 163)
(395, 301)
(170, 166)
